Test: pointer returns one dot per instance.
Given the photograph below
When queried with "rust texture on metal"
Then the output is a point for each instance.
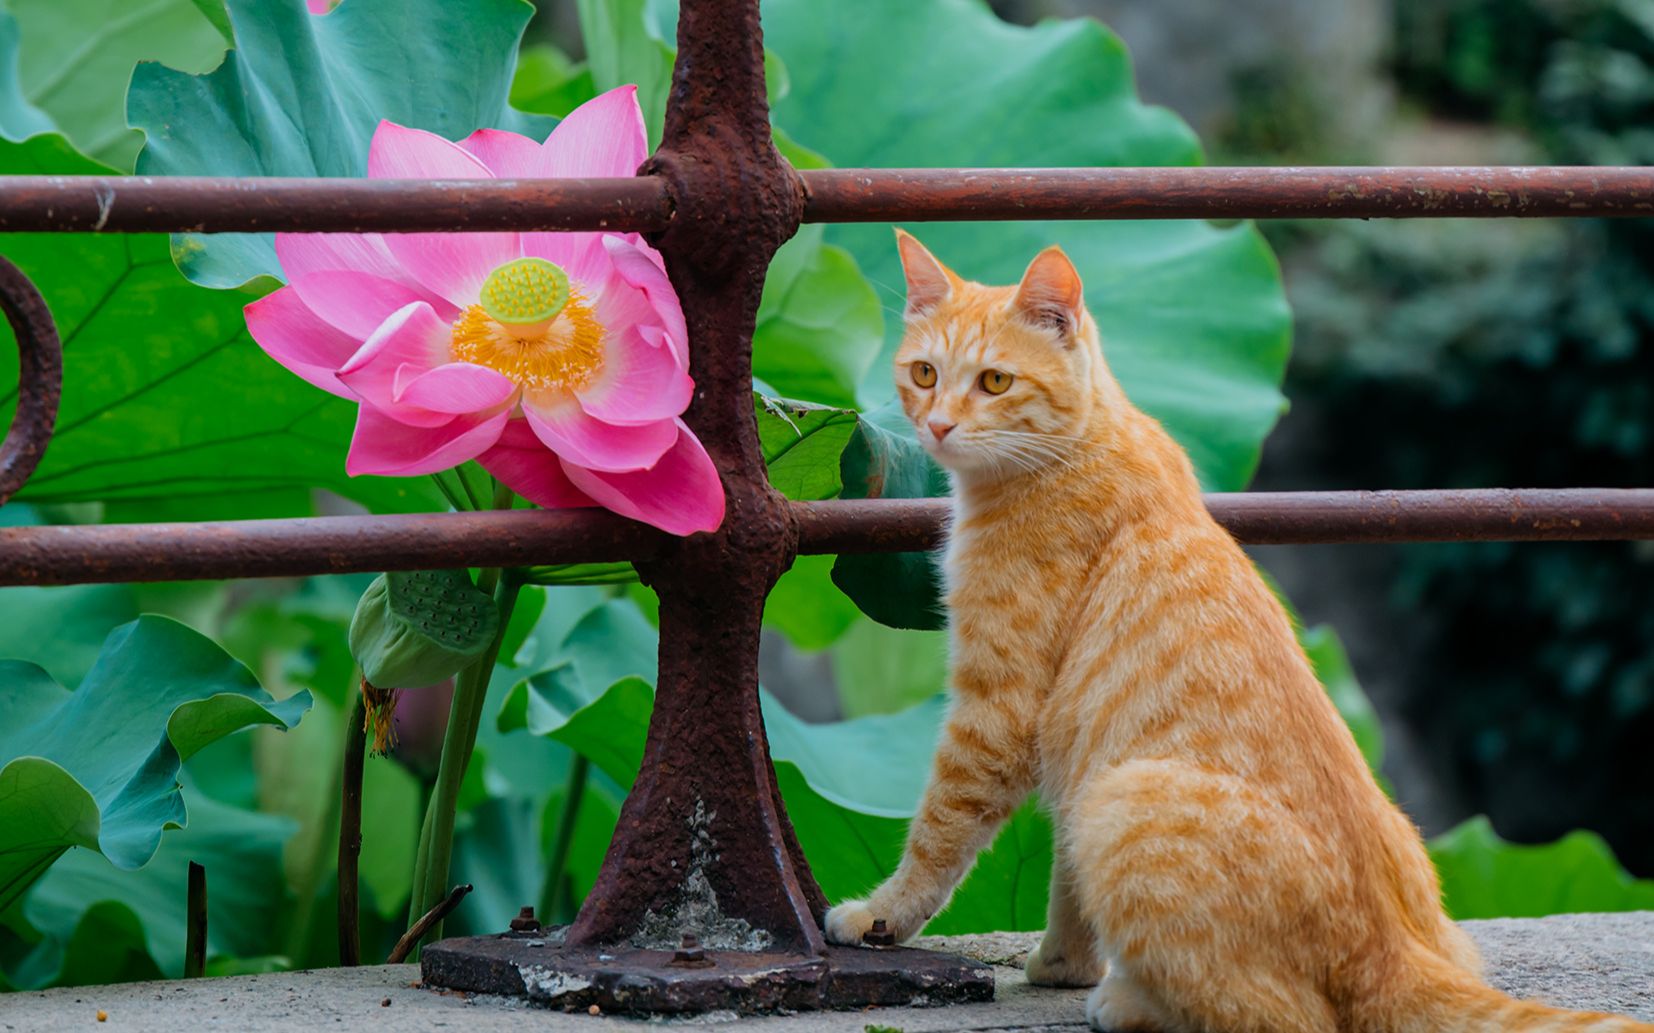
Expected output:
(64, 555)
(920, 195)
(525, 922)
(626, 980)
(39, 378)
(1484, 514)
(191, 204)
(703, 840)
(1295, 518)
(644, 203)
(60, 555)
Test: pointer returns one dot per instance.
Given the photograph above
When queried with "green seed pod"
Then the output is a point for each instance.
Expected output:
(409, 630)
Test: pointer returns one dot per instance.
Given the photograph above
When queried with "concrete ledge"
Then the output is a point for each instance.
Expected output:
(1602, 962)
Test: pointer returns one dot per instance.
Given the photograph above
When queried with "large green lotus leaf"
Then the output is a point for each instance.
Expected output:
(79, 905)
(300, 96)
(819, 322)
(151, 364)
(1008, 887)
(19, 119)
(598, 693)
(215, 12)
(549, 82)
(394, 804)
(850, 815)
(164, 393)
(607, 657)
(98, 767)
(874, 765)
(801, 444)
(852, 829)
(497, 851)
(1193, 317)
(62, 628)
(849, 852)
(626, 43)
(884, 461)
(882, 670)
(78, 57)
(107, 945)
(1484, 876)
(501, 848)
(808, 608)
(594, 827)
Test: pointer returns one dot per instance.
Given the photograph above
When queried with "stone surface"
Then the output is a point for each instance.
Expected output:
(1580, 961)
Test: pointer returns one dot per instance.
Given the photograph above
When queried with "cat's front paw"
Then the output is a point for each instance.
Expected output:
(847, 922)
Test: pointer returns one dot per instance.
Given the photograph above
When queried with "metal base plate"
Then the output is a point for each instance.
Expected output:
(632, 981)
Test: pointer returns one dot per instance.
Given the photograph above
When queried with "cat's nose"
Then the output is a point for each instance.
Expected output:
(939, 429)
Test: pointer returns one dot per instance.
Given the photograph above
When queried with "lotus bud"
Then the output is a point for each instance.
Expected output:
(414, 629)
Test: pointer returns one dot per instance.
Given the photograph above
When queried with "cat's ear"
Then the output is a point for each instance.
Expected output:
(1050, 294)
(929, 282)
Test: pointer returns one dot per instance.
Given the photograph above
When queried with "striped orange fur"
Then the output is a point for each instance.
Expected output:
(1224, 859)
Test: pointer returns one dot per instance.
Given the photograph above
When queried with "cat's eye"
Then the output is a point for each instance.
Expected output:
(995, 382)
(924, 374)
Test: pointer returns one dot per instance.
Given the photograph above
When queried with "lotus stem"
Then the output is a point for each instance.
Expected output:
(436, 849)
(552, 895)
(350, 834)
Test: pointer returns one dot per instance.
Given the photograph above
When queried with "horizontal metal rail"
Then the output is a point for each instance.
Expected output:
(1430, 192)
(641, 203)
(198, 204)
(351, 544)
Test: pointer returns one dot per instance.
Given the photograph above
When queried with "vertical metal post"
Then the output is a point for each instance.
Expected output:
(705, 900)
(705, 804)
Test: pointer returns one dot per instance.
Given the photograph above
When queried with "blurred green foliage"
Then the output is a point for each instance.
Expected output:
(1517, 354)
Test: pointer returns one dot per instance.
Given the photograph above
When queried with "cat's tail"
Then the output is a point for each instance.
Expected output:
(1432, 995)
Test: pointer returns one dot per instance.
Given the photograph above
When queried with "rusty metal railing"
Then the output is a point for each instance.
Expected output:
(56, 555)
(718, 200)
(643, 204)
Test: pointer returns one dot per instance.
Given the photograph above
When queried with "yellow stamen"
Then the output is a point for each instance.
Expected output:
(563, 352)
(380, 716)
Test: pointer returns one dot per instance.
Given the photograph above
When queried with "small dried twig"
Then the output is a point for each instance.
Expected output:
(195, 928)
(411, 938)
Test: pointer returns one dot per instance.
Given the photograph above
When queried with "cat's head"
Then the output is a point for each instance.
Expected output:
(997, 380)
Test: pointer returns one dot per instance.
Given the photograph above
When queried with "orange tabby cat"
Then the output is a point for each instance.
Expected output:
(1224, 859)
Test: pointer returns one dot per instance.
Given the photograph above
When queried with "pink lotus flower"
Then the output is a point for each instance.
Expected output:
(559, 361)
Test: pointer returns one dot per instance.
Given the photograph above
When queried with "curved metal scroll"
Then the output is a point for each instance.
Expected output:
(39, 379)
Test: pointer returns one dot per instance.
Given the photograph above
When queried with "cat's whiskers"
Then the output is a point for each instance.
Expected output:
(1061, 450)
(1028, 452)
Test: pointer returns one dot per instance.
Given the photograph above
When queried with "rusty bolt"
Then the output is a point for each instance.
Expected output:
(525, 922)
(879, 936)
(690, 954)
